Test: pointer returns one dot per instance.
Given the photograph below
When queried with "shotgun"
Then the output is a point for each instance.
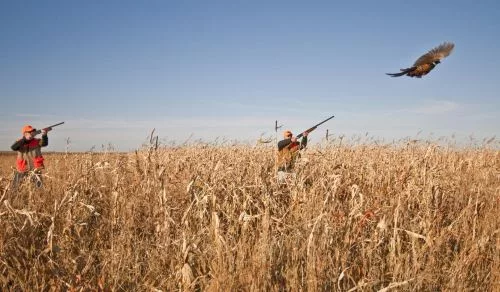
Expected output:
(49, 128)
(314, 127)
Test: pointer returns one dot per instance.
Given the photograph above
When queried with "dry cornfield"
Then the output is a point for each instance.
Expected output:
(358, 217)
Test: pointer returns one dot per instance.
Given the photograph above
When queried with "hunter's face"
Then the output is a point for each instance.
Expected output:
(29, 135)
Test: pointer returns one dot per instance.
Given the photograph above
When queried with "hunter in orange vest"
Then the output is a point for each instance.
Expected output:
(29, 153)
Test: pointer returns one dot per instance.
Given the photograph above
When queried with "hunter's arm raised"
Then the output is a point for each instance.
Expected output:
(284, 143)
(303, 142)
(44, 141)
(18, 144)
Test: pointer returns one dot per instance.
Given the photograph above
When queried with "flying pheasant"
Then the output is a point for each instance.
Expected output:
(427, 62)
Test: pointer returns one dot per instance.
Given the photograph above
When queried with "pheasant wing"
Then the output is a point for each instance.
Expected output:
(435, 54)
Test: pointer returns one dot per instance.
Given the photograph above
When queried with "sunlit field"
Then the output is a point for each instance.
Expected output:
(405, 216)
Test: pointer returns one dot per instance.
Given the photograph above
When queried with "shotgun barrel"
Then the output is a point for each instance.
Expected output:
(314, 127)
(48, 128)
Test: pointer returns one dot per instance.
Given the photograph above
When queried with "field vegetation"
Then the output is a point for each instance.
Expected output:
(406, 216)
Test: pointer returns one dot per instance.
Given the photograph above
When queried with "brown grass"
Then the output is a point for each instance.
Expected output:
(415, 217)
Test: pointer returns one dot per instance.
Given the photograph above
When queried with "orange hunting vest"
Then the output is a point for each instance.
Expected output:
(30, 157)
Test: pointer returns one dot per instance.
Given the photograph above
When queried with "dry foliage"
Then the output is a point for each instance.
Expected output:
(414, 217)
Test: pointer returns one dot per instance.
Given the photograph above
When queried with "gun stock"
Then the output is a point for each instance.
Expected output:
(314, 127)
(48, 128)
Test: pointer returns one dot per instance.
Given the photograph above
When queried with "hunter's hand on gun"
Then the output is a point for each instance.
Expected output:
(305, 133)
(45, 131)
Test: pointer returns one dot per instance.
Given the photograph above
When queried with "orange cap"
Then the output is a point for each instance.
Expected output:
(287, 133)
(27, 129)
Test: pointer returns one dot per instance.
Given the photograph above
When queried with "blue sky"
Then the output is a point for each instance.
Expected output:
(114, 70)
